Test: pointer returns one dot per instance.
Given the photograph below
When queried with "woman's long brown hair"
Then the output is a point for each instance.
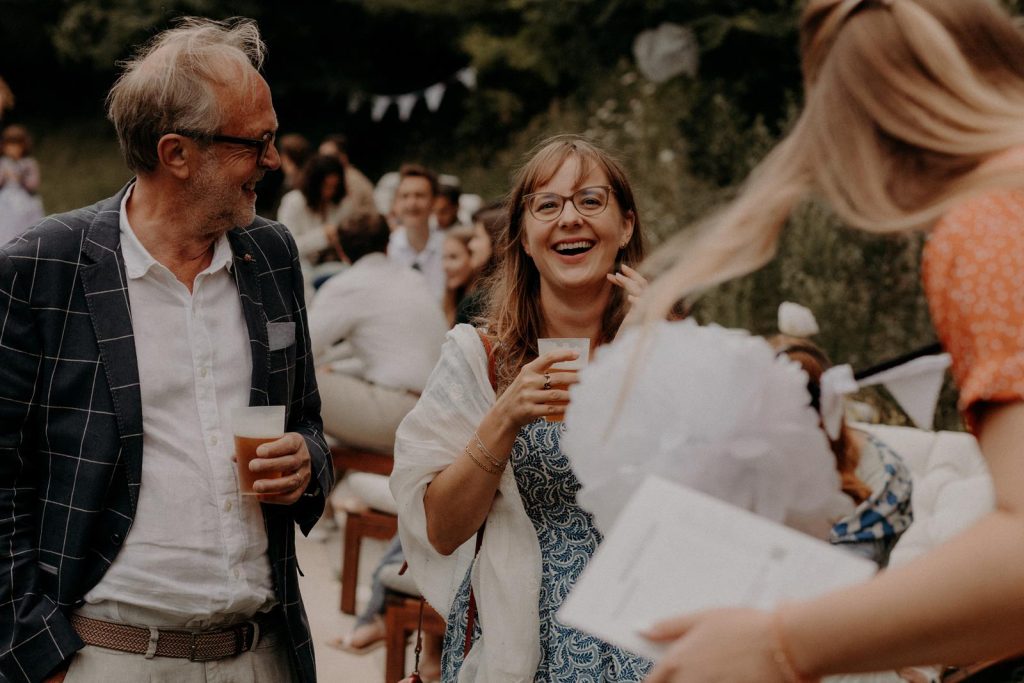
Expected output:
(513, 316)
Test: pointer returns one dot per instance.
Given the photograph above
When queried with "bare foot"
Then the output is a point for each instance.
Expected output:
(362, 638)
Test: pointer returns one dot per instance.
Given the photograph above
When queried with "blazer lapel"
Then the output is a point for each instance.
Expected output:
(247, 279)
(106, 293)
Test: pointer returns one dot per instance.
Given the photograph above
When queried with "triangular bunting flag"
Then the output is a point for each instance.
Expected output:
(433, 95)
(467, 77)
(380, 106)
(915, 386)
(405, 105)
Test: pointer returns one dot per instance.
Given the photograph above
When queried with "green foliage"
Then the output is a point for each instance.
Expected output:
(543, 68)
(100, 31)
(80, 164)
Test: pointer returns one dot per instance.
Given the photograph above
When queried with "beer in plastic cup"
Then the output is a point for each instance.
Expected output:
(580, 345)
(252, 426)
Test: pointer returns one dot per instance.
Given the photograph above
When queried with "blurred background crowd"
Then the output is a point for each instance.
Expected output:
(688, 95)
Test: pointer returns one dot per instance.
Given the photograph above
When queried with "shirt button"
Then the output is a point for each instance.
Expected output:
(235, 572)
(213, 440)
(202, 372)
(227, 506)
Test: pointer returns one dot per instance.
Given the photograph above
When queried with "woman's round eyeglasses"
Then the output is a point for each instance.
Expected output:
(589, 201)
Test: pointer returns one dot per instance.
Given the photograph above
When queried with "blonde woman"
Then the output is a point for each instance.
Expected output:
(477, 448)
(914, 119)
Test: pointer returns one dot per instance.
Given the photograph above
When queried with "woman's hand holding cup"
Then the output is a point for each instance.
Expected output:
(538, 390)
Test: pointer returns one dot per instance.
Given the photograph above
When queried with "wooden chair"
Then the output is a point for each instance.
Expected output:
(360, 525)
(401, 616)
(377, 522)
(346, 458)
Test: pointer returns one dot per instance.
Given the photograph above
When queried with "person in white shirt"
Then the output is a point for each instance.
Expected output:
(315, 208)
(358, 188)
(395, 327)
(417, 243)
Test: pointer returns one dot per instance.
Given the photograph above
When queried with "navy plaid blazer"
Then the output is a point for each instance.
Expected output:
(71, 422)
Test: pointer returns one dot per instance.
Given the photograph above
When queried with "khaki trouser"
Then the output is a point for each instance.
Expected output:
(361, 414)
(268, 662)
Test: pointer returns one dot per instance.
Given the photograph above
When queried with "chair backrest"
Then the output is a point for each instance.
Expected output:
(952, 485)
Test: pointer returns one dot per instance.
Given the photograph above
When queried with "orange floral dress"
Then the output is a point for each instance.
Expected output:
(973, 271)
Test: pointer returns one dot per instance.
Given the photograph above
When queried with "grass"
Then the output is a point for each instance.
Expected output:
(80, 164)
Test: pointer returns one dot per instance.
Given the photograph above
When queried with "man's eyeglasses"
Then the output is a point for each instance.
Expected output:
(589, 201)
(261, 144)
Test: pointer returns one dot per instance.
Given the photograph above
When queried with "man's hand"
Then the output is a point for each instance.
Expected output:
(59, 675)
(287, 462)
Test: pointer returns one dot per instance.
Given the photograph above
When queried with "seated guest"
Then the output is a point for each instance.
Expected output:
(488, 224)
(416, 243)
(446, 203)
(294, 151)
(295, 154)
(313, 210)
(395, 328)
(359, 196)
(572, 219)
(880, 513)
(458, 269)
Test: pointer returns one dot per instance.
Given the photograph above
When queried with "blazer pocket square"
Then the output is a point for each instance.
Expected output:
(280, 335)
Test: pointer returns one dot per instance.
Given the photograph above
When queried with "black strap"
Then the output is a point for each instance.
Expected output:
(471, 610)
(930, 350)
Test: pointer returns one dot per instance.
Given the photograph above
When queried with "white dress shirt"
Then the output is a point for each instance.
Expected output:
(196, 554)
(430, 261)
(385, 311)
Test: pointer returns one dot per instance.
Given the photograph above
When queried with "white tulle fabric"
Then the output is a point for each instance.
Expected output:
(708, 407)
(506, 576)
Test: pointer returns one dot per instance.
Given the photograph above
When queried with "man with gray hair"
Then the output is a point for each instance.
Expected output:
(132, 330)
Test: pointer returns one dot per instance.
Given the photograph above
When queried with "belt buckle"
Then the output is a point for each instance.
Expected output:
(193, 648)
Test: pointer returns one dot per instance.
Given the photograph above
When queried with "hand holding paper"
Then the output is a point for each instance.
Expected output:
(676, 551)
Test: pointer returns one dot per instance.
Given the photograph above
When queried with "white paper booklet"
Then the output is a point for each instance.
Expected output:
(674, 550)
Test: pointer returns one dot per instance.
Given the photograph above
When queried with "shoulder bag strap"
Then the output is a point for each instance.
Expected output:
(471, 611)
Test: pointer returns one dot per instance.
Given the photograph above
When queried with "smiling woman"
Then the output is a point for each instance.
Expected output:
(572, 226)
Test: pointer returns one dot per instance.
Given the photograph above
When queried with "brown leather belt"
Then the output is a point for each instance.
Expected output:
(196, 646)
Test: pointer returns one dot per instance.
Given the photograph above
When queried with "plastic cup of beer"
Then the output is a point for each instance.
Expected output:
(580, 345)
(252, 426)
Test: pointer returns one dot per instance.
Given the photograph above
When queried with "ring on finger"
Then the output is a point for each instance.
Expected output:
(547, 382)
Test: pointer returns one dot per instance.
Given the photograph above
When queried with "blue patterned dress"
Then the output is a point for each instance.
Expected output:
(568, 540)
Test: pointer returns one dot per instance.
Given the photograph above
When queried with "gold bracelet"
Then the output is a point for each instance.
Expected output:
(486, 452)
(781, 654)
(482, 465)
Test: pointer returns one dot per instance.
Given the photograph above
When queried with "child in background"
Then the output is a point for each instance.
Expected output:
(20, 206)
(881, 510)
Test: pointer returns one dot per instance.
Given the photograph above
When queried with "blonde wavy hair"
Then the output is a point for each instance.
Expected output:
(514, 319)
(905, 101)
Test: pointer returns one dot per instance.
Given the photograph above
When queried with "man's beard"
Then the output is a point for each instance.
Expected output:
(217, 206)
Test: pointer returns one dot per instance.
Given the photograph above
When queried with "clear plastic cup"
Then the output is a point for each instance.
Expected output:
(252, 426)
(580, 345)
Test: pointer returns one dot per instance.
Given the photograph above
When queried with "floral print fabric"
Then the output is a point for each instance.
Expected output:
(568, 540)
(973, 273)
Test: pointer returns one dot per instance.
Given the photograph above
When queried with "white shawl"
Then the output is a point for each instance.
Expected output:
(506, 576)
